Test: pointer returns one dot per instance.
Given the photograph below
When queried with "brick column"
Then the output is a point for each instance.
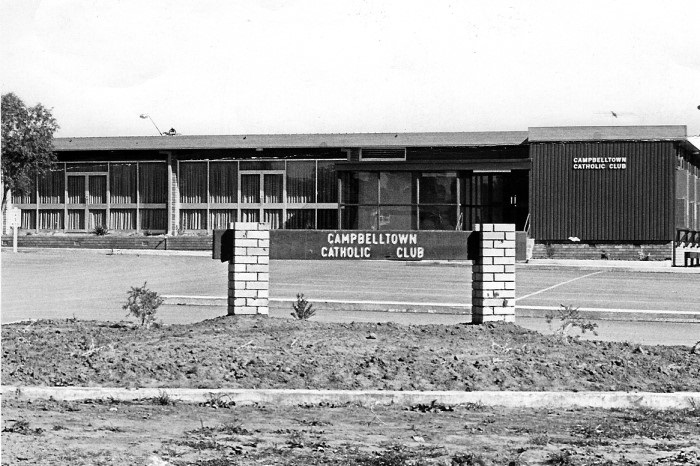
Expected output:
(493, 274)
(173, 195)
(249, 271)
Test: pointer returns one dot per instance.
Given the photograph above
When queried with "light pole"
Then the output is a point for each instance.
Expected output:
(143, 116)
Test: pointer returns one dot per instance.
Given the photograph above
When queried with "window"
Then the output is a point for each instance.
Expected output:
(426, 201)
(81, 196)
(389, 153)
(274, 191)
(193, 182)
(301, 182)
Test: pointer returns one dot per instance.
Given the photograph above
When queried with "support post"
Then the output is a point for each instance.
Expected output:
(249, 269)
(493, 273)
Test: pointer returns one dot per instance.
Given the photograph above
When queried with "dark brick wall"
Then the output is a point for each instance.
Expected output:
(590, 251)
(191, 243)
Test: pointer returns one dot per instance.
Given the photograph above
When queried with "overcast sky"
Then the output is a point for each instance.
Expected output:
(273, 66)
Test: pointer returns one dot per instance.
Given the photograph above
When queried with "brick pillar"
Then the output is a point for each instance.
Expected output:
(173, 195)
(493, 274)
(249, 271)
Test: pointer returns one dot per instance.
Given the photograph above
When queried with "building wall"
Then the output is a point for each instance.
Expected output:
(687, 192)
(630, 200)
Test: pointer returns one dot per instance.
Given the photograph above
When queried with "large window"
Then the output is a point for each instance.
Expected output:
(82, 196)
(425, 201)
(133, 196)
(285, 193)
(378, 200)
(687, 196)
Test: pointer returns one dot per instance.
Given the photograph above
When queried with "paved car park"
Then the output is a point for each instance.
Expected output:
(93, 284)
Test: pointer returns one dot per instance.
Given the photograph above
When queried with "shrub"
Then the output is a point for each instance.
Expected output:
(570, 317)
(164, 399)
(100, 230)
(142, 303)
(303, 310)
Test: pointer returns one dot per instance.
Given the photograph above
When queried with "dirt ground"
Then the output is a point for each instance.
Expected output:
(157, 432)
(235, 352)
(245, 352)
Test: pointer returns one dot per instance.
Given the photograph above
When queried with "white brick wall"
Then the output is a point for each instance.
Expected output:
(249, 271)
(493, 274)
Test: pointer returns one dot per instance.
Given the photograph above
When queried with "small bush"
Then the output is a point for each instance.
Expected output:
(143, 303)
(22, 427)
(561, 458)
(100, 230)
(164, 399)
(539, 439)
(303, 310)
(570, 317)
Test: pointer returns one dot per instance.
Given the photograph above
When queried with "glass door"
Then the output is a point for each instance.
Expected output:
(75, 206)
(484, 198)
(262, 197)
(86, 208)
(97, 201)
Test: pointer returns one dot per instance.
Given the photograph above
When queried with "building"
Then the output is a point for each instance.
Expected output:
(615, 191)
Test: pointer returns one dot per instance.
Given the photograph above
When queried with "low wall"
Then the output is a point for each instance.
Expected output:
(190, 243)
(596, 251)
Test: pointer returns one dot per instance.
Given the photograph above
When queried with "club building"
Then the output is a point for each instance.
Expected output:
(618, 192)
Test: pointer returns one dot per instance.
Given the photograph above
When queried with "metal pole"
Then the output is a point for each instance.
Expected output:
(154, 124)
(145, 115)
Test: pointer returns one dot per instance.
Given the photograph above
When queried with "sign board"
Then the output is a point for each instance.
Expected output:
(357, 245)
(600, 163)
(14, 217)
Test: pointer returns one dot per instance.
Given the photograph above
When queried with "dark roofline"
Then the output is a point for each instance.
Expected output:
(356, 140)
(278, 141)
(606, 133)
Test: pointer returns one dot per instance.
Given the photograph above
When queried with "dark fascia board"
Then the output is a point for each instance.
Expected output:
(279, 141)
(474, 164)
(606, 133)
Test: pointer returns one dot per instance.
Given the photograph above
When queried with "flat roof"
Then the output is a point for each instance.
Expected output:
(606, 133)
(279, 141)
(375, 140)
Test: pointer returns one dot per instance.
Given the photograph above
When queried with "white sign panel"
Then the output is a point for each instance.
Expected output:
(14, 217)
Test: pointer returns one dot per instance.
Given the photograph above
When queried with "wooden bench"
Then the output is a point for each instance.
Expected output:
(692, 259)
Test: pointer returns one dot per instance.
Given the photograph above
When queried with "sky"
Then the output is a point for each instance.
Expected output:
(346, 66)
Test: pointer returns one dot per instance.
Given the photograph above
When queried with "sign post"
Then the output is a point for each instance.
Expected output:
(14, 220)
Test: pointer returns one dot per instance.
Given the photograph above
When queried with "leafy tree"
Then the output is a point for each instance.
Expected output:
(27, 144)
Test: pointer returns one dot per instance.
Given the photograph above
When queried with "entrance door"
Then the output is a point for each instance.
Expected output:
(495, 198)
(262, 197)
(87, 202)
(484, 199)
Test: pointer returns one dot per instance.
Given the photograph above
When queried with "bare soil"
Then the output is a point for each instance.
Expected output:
(245, 352)
(156, 432)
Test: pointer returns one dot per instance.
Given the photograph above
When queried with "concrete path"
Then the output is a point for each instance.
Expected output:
(509, 399)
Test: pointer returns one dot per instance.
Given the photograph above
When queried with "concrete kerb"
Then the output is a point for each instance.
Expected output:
(508, 399)
(530, 311)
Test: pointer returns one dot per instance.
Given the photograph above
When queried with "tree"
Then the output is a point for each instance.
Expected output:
(27, 144)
